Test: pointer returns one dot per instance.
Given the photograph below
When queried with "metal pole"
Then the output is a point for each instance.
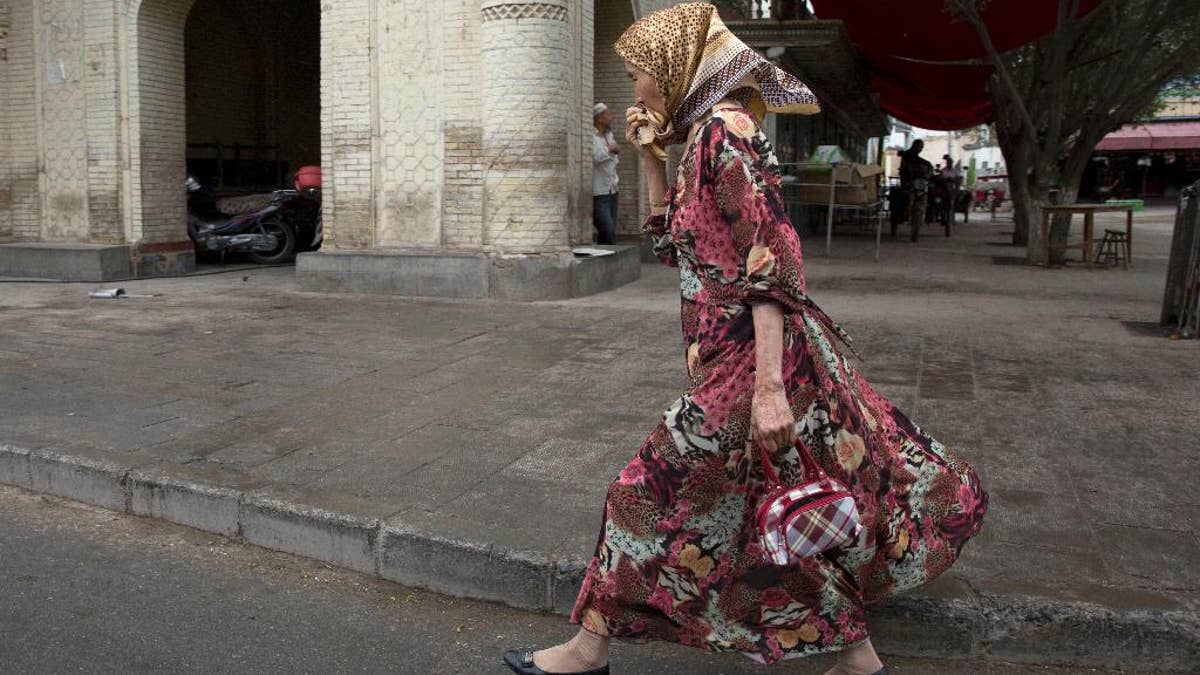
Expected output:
(829, 219)
(878, 228)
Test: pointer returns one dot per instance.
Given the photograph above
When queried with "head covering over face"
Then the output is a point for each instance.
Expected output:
(697, 61)
(598, 109)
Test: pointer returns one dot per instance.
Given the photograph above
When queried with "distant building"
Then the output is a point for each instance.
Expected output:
(1155, 157)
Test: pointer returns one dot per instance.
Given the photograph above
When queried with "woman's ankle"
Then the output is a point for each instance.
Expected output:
(860, 659)
(589, 648)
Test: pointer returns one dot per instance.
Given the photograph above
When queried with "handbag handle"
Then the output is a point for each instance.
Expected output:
(812, 470)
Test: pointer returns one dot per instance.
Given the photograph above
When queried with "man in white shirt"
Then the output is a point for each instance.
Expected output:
(951, 171)
(604, 182)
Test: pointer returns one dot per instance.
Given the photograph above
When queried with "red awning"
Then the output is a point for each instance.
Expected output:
(1154, 136)
(907, 46)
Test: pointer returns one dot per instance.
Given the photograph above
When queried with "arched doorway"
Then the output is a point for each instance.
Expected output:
(248, 78)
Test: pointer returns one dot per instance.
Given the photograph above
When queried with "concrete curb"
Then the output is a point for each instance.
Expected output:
(947, 619)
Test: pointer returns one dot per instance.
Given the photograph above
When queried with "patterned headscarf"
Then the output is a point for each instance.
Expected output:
(697, 62)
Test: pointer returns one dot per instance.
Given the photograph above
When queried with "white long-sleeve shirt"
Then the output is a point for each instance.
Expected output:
(605, 179)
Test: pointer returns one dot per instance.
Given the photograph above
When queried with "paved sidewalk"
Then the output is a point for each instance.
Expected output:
(466, 446)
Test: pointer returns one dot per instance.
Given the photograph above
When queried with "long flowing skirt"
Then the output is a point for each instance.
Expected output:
(677, 557)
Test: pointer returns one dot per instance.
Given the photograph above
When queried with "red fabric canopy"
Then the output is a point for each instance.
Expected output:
(1156, 136)
(902, 43)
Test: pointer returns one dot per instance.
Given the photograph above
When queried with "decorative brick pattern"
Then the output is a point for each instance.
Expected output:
(525, 10)
(410, 101)
(63, 122)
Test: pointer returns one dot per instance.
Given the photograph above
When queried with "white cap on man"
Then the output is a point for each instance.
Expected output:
(598, 109)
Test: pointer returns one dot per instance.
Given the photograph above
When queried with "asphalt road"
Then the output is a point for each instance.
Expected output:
(83, 590)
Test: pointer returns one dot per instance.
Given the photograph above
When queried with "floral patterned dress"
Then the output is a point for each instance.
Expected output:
(677, 557)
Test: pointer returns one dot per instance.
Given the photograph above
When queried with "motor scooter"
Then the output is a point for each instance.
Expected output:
(270, 228)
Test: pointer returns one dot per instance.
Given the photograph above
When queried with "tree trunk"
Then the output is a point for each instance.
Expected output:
(1069, 183)
(1026, 212)
(1060, 225)
(1015, 153)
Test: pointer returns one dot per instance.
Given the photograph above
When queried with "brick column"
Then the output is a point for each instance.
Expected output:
(348, 133)
(527, 117)
(20, 196)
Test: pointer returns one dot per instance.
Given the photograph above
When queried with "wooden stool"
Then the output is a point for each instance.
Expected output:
(1114, 248)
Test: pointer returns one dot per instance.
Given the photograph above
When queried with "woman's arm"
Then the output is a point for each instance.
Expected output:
(656, 183)
(654, 169)
(772, 422)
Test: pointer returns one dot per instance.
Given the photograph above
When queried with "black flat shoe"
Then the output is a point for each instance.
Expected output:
(521, 661)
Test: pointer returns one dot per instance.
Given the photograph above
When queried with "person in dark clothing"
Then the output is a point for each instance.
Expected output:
(915, 172)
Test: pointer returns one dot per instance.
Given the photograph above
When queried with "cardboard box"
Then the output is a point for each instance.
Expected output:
(855, 183)
(829, 154)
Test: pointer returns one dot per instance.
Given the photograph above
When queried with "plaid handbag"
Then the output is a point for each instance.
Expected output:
(805, 520)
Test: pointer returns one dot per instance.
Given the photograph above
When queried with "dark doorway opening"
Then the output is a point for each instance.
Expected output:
(253, 92)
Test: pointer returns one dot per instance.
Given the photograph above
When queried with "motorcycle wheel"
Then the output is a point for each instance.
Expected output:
(193, 228)
(285, 251)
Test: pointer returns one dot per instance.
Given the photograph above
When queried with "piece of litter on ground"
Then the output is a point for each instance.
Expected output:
(107, 293)
(589, 252)
(116, 294)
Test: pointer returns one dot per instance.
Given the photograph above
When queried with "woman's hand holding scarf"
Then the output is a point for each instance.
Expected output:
(645, 130)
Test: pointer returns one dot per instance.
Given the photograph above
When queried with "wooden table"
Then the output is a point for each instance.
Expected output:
(1089, 212)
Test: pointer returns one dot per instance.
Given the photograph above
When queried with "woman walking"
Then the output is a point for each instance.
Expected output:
(679, 556)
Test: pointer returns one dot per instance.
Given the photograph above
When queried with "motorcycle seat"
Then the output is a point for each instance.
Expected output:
(236, 206)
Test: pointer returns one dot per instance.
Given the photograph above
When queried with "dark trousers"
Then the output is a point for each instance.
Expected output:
(604, 218)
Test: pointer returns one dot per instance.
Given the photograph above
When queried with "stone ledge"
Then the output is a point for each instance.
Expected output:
(95, 262)
(439, 274)
(66, 262)
(444, 273)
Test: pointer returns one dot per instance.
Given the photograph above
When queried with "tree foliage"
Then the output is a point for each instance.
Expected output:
(1055, 99)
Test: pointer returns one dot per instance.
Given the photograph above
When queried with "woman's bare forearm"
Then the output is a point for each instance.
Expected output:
(656, 183)
(768, 347)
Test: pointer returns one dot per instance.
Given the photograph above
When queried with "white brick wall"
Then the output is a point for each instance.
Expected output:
(105, 220)
(527, 118)
(462, 193)
(348, 132)
(6, 224)
(21, 158)
(157, 109)
(458, 123)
